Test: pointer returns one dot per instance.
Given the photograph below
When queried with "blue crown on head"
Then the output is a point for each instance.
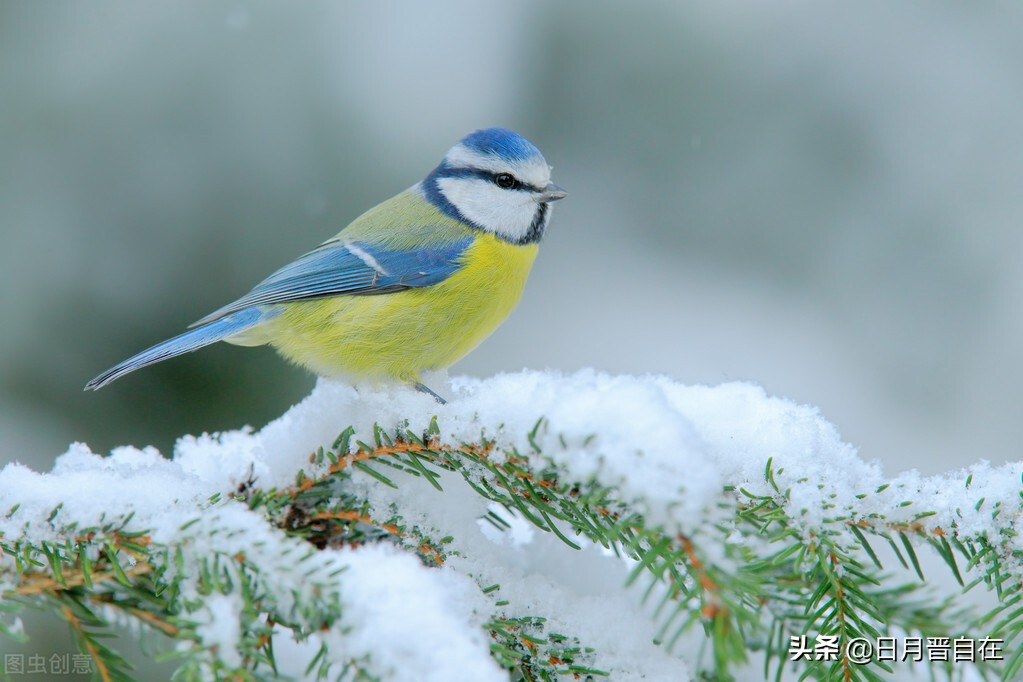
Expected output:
(501, 143)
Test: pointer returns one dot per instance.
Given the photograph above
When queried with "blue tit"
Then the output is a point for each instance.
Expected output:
(411, 285)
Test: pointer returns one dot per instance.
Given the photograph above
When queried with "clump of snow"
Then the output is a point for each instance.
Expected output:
(429, 642)
(221, 629)
(667, 449)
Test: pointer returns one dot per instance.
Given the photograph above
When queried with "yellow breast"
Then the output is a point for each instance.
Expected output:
(399, 335)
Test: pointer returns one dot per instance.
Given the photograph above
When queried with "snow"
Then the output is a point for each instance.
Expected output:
(221, 632)
(667, 449)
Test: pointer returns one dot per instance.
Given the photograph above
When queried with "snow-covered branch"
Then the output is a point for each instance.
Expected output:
(538, 526)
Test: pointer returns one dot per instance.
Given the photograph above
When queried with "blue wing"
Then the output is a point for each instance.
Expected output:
(352, 268)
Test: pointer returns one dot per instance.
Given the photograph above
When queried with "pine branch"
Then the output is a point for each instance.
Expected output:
(752, 575)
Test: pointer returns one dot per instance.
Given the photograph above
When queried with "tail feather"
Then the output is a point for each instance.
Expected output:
(193, 339)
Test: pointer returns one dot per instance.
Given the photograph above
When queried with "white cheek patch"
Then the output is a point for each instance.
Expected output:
(506, 213)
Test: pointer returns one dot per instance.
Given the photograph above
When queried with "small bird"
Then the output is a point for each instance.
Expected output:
(411, 285)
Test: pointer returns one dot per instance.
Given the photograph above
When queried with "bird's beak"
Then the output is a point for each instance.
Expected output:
(551, 193)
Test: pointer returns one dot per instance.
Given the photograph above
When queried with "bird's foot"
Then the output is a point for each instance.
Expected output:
(423, 388)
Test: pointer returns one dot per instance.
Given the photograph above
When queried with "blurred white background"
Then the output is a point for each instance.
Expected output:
(820, 198)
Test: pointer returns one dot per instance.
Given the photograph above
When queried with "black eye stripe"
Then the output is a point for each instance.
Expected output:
(489, 176)
(500, 180)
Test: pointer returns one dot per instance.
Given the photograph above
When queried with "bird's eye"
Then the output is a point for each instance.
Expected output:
(505, 180)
